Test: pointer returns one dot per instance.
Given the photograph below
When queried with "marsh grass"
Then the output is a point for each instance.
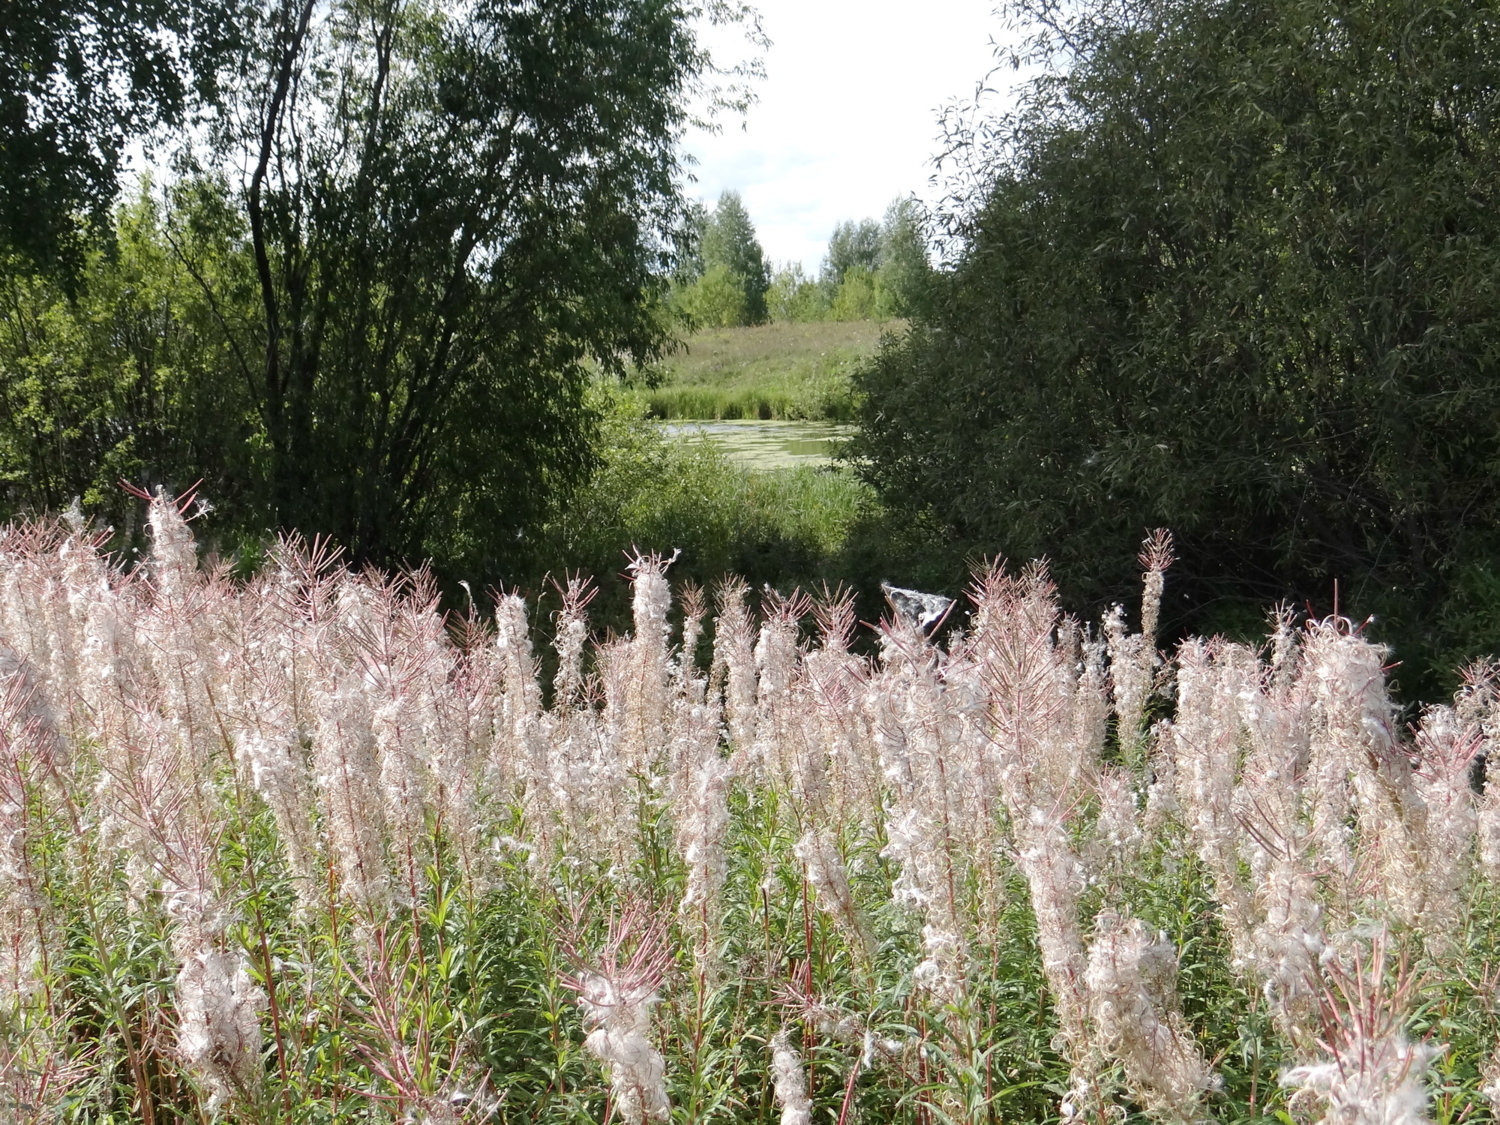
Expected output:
(781, 371)
(804, 526)
(786, 527)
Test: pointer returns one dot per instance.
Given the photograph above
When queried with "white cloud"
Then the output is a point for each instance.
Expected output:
(848, 115)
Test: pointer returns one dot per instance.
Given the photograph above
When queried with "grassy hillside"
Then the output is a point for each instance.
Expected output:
(789, 371)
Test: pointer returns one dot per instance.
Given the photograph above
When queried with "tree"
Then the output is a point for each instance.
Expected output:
(689, 266)
(904, 271)
(851, 244)
(79, 80)
(448, 210)
(729, 241)
(876, 269)
(856, 296)
(1232, 272)
(124, 370)
(794, 297)
(715, 300)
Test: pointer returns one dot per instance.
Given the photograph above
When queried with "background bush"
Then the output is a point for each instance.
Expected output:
(1229, 269)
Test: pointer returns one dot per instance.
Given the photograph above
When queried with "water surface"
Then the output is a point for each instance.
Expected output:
(767, 445)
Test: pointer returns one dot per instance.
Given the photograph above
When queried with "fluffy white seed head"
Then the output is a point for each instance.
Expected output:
(790, 1081)
(218, 1023)
(618, 1015)
(1367, 1082)
(830, 883)
(1132, 982)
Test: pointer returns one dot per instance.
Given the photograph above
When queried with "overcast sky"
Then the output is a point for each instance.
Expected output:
(848, 114)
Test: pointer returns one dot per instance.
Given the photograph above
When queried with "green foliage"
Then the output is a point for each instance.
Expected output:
(1232, 273)
(176, 956)
(729, 246)
(372, 310)
(714, 300)
(437, 259)
(873, 271)
(689, 264)
(855, 298)
(786, 527)
(79, 81)
(904, 272)
(853, 245)
(132, 376)
(795, 298)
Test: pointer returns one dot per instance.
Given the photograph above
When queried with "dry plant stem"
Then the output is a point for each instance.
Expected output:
(571, 634)
(347, 779)
(694, 608)
(267, 965)
(1360, 763)
(1133, 658)
(1132, 979)
(1477, 705)
(1156, 558)
(1205, 742)
(1241, 754)
(638, 705)
(909, 736)
(615, 994)
(1447, 748)
(103, 951)
(1046, 728)
(830, 882)
(703, 819)
(734, 642)
(1369, 1071)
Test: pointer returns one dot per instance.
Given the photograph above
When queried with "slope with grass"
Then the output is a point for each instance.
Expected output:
(770, 371)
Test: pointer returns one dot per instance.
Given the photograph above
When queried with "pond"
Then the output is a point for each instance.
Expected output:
(767, 445)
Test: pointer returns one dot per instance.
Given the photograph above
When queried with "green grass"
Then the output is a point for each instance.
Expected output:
(661, 494)
(771, 371)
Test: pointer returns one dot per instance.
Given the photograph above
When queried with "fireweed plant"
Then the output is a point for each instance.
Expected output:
(302, 849)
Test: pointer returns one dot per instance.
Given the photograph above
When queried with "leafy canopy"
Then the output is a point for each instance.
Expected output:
(731, 251)
(853, 245)
(80, 80)
(1231, 269)
(380, 284)
(872, 271)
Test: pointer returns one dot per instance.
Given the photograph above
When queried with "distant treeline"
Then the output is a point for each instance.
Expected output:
(872, 271)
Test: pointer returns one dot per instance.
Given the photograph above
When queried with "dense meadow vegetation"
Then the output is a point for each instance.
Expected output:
(303, 848)
(808, 526)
